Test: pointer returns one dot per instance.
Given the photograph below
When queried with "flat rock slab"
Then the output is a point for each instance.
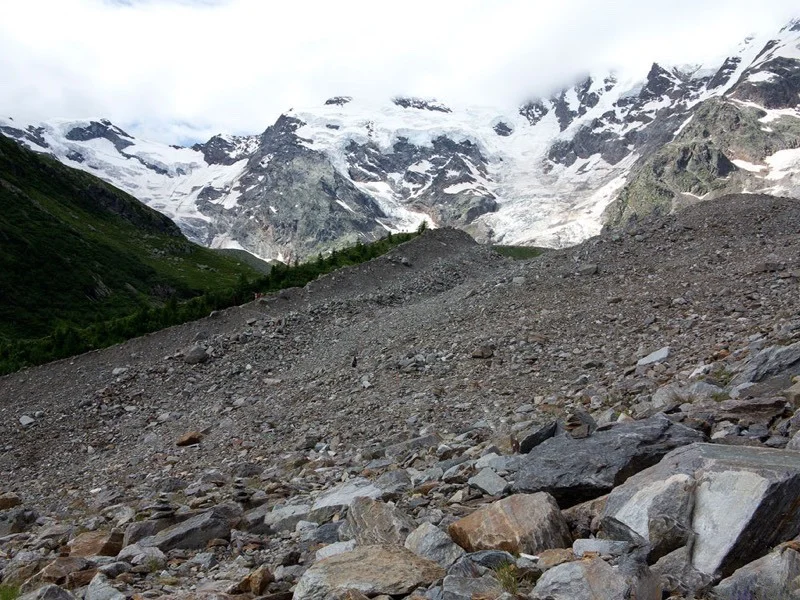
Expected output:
(192, 534)
(576, 470)
(520, 523)
(371, 570)
(733, 502)
(343, 495)
(96, 543)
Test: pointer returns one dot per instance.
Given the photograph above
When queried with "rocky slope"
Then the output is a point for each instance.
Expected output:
(548, 173)
(409, 419)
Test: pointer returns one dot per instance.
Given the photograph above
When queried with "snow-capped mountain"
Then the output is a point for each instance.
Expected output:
(549, 173)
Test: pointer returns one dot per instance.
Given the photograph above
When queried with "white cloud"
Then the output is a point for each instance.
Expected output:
(189, 68)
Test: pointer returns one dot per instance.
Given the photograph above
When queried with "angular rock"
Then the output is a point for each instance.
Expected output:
(343, 495)
(658, 356)
(191, 438)
(488, 482)
(9, 500)
(285, 518)
(456, 587)
(729, 502)
(48, 592)
(520, 523)
(192, 534)
(58, 571)
(371, 570)
(256, 582)
(334, 549)
(770, 361)
(576, 470)
(393, 484)
(775, 576)
(600, 547)
(536, 435)
(96, 543)
(432, 440)
(143, 555)
(374, 522)
(594, 580)
(100, 588)
(434, 544)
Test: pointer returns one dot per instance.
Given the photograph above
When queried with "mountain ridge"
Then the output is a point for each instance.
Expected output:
(550, 173)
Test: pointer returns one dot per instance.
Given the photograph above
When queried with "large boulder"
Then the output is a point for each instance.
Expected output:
(595, 579)
(520, 523)
(576, 470)
(775, 576)
(96, 543)
(432, 543)
(193, 533)
(728, 504)
(371, 570)
(770, 361)
(374, 522)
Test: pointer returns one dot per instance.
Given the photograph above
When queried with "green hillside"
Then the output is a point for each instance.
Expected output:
(76, 251)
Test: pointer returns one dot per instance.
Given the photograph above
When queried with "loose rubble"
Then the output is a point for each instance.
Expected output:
(464, 426)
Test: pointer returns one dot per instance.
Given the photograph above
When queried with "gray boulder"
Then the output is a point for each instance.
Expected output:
(100, 588)
(595, 579)
(575, 470)
(48, 592)
(375, 522)
(728, 504)
(371, 570)
(192, 534)
(775, 576)
(770, 361)
(456, 587)
(432, 543)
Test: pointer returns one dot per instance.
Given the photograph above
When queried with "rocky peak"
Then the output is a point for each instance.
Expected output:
(534, 111)
(338, 100)
(104, 129)
(420, 104)
(659, 83)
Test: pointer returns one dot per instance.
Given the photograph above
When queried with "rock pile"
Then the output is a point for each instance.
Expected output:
(437, 431)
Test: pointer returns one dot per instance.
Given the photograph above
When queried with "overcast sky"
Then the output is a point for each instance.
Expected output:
(176, 70)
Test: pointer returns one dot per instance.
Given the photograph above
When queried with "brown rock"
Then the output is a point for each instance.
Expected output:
(583, 519)
(554, 557)
(97, 543)
(9, 500)
(255, 583)
(520, 523)
(371, 570)
(189, 439)
(79, 579)
(57, 572)
(792, 395)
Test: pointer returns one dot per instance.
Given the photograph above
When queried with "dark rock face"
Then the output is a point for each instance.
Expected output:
(723, 75)
(421, 104)
(779, 91)
(534, 111)
(436, 189)
(338, 100)
(503, 129)
(219, 151)
(576, 470)
(103, 129)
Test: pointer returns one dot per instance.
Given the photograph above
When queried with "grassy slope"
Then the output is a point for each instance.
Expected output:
(77, 250)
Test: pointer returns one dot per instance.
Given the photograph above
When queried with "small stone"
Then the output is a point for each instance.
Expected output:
(432, 543)
(488, 482)
(189, 439)
(482, 352)
(26, 421)
(195, 355)
(9, 500)
(653, 358)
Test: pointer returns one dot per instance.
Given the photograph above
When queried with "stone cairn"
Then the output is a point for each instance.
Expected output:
(241, 494)
(162, 509)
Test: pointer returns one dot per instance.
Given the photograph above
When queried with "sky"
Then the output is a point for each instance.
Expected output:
(183, 70)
